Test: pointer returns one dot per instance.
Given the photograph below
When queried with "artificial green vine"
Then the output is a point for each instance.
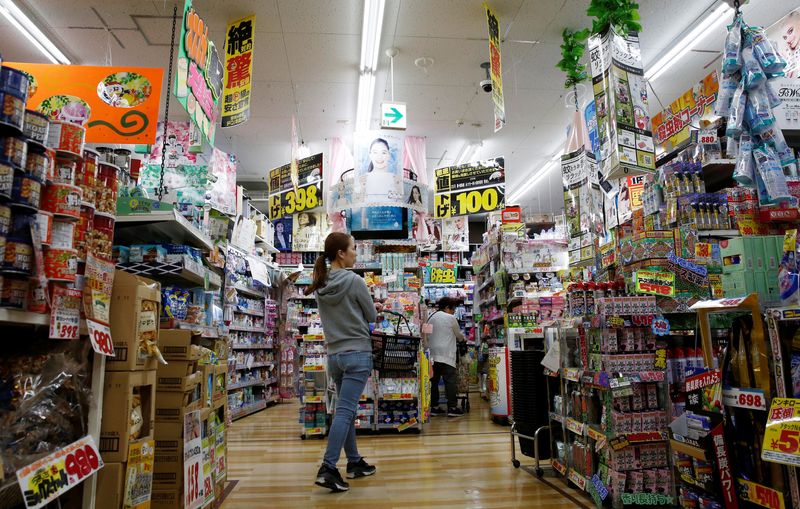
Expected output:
(571, 54)
(623, 15)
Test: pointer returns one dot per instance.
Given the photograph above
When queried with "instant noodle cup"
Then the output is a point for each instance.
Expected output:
(82, 229)
(37, 296)
(44, 225)
(38, 165)
(5, 220)
(18, 256)
(101, 238)
(106, 188)
(63, 234)
(14, 150)
(6, 179)
(12, 110)
(13, 81)
(27, 190)
(2, 248)
(86, 174)
(66, 137)
(13, 292)
(63, 200)
(60, 264)
(64, 171)
(36, 126)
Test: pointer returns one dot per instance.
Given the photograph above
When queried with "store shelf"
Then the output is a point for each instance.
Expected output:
(248, 409)
(251, 383)
(184, 271)
(485, 284)
(244, 311)
(254, 365)
(166, 225)
(207, 331)
(248, 291)
(718, 233)
(257, 346)
(556, 417)
(576, 427)
(303, 297)
(261, 242)
(242, 328)
(558, 467)
(397, 397)
(11, 316)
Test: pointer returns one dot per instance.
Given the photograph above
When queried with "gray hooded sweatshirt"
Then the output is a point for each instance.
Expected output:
(346, 310)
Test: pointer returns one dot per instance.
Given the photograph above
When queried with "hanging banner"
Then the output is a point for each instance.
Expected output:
(284, 199)
(115, 104)
(222, 172)
(238, 72)
(58, 472)
(198, 84)
(582, 206)
(455, 234)
(495, 70)
(672, 127)
(620, 93)
(470, 188)
(783, 33)
(440, 272)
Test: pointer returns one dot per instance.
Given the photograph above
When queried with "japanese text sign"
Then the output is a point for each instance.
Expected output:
(782, 435)
(238, 72)
(495, 69)
(470, 188)
(284, 198)
(655, 282)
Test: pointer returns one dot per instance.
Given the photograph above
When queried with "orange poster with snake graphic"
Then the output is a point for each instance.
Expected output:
(115, 104)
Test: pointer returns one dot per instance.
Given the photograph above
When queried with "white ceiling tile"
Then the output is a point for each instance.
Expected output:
(460, 19)
(321, 17)
(323, 57)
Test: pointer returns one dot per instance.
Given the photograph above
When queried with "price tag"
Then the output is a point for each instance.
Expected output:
(193, 475)
(782, 435)
(654, 282)
(752, 399)
(65, 317)
(100, 336)
(661, 359)
(47, 478)
(618, 443)
(615, 321)
(139, 473)
(646, 499)
(578, 479)
(708, 137)
(407, 424)
(660, 326)
(760, 495)
(601, 489)
(391, 278)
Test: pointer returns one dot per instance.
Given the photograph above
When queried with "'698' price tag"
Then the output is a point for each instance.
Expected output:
(100, 336)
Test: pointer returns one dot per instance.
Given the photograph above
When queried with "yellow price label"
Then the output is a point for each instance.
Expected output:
(294, 201)
(441, 206)
(478, 200)
(782, 435)
(275, 207)
(761, 495)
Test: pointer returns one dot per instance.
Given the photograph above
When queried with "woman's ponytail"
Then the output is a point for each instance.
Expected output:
(320, 275)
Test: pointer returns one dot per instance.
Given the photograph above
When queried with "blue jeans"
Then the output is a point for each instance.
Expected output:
(350, 371)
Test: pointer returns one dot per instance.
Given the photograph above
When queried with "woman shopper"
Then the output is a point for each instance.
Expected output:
(442, 342)
(346, 310)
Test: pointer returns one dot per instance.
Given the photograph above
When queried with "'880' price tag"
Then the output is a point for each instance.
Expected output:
(100, 336)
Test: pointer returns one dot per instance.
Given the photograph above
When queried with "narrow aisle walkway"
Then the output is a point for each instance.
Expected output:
(455, 463)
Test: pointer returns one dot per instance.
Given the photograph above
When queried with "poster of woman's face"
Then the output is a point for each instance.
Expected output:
(378, 152)
(306, 230)
(455, 235)
(786, 35)
(283, 234)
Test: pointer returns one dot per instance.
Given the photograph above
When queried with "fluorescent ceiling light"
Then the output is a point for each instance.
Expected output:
(303, 151)
(371, 34)
(539, 175)
(467, 152)
(31, 32)
(366, 94)
(685, 45)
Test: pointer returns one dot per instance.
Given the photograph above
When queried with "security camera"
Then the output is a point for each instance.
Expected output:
(486, 85)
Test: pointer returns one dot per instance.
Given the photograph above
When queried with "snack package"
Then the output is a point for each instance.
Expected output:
(175, 302)
(732, 60)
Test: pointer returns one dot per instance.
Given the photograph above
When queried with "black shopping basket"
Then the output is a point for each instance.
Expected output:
(394, 352)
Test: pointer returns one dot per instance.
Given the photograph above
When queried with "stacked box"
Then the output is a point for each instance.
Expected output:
(135, 311)
(750, 265)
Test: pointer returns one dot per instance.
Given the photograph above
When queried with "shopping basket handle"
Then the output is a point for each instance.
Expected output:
(399, 317)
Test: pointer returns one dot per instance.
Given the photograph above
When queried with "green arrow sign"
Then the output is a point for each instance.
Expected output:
(393, 115)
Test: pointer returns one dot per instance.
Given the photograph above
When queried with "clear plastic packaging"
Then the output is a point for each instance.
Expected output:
(744, 172)
(770, 171)
(758, 115)
(727, 88)
(751, 72)
(736, 116)
(764, 51)
(732, 60)
(774, 100)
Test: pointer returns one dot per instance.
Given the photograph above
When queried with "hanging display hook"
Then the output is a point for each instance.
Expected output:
(161, 189)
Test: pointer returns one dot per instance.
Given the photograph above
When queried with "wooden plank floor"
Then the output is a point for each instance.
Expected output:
(455, 463)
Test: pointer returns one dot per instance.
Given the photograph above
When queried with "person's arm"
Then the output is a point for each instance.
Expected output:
(457, 329)
(364, 300)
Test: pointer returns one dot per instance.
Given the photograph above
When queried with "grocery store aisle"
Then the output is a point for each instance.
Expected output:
(462, 462)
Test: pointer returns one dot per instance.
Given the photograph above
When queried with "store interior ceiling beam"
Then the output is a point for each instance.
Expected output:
(28, 28)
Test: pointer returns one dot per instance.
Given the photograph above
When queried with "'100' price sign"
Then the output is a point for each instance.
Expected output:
(469, 201)
(782, 435)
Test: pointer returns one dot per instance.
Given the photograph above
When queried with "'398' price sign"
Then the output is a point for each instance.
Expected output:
(293, 201)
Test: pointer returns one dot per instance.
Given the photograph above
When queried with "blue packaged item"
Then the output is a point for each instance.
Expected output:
(14, 81)
(732, 59)
(737, 111)
(770, 171)
(744, 171)
(752, 74)
(727, 88)
(764, 51)
(175, 302)
(758, 115)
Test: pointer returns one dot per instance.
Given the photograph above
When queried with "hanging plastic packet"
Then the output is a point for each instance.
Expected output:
(774, 100)
(751, 71)
(764, 51)
(770, 171)
(731, 147)
(736, 114)
(758, 115)
(727, 88)
(775, 138)
(732, 61)
(744, 171)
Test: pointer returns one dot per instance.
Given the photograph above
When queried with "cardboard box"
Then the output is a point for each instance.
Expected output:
(171, 406)
(166, 499)
(118, 403)
(214, 383)
(110, 486)
(174, 378)
(168, 430)
(168, 469)
(176, 344)
(135, 310)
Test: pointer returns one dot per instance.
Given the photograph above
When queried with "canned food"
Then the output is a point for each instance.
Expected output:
(63, 234)
(27, 191)
(86, 174)
(18, 256)
(21, 226)
(106, 189)
(36, 126)
(100, 240)
(60, 264)
(13, 110)
(14, 81)
(106, 155)
(66, 137)
(14, 150)
(62, 200)
(38, 165)
(44, 226)
(6, 179)
(13, 292)
(64, 171)
(5, 220)
(83, 228)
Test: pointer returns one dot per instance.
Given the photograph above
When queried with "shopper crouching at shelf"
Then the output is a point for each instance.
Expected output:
(442, 343)
(346, 310)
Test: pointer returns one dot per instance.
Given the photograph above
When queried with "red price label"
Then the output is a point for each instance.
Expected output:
(208, 487)
(654, 288)
(193, 487)
(100, 336)
(751, 400)
(82, 462)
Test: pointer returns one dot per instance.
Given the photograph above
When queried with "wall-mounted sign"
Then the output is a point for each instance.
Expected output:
(238, 72)
(115, 104)
(393, 115)
(470, 188)
(198, 85)
(284, 198)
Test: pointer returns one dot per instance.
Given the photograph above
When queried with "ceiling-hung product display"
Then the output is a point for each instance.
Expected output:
(495, 69)
(287, 197)
(238, 71)
(623, 118)
(470, 188)
(198, 84)
(115, 104)
(672, 127)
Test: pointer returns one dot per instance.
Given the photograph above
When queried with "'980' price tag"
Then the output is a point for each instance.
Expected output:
(100, 336)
